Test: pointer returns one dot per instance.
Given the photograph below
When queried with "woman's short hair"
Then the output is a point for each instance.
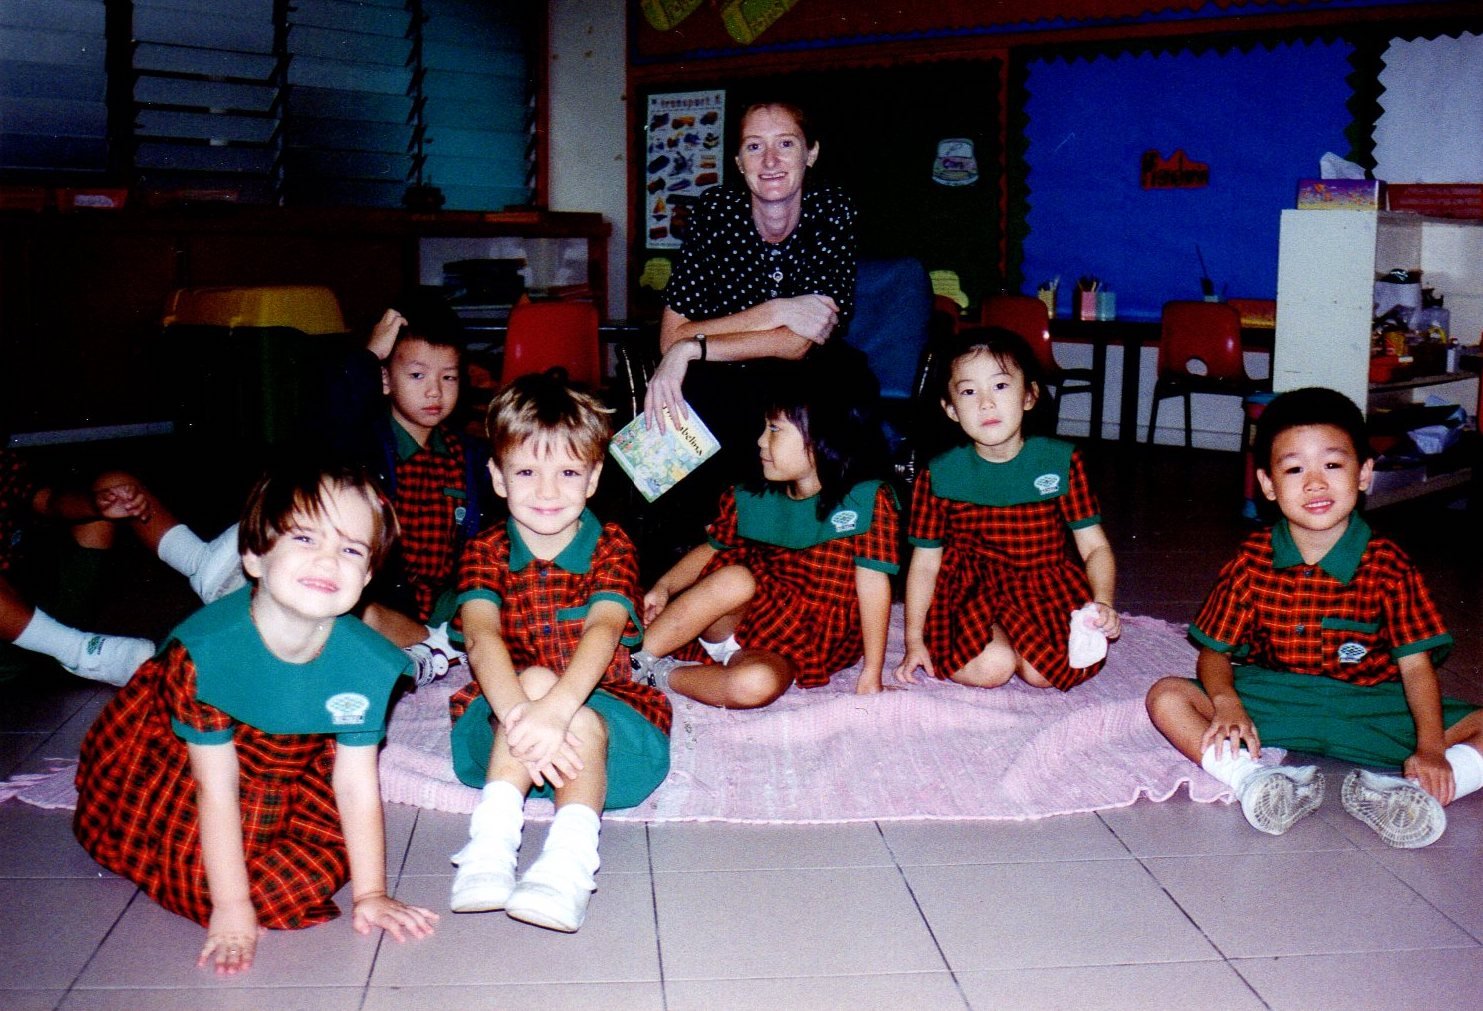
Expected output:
(297, 487)
(545, 407)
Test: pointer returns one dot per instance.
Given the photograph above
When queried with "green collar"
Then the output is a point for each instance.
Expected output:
(771, 517)
(1040, 471)
(575, 558)
(407, 447)
(1342, 559)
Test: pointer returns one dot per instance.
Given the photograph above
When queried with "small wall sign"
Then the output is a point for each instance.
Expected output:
(1177, 172)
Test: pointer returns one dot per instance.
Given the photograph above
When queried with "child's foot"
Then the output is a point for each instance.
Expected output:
(1274, 797)
(485, 878)
(553, 894)
(112, 659)
(652, 670)
(1401, 813)
(430, 663)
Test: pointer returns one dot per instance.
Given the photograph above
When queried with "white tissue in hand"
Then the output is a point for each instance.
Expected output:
(1087, 643)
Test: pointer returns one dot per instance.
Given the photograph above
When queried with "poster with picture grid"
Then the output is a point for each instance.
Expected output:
(684, 141)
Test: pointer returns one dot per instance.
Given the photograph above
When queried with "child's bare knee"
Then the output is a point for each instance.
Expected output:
(589, 725)
(97, 535)
(537, 681)
(734, 585)
(753, 684)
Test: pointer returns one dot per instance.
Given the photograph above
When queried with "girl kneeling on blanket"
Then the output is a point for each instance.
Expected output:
(234, 778)
(794, 581)
(991, 590)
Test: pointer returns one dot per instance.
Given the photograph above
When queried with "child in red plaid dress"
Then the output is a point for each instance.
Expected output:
(991, 589)
(793, 583)
(547, 607)
(234, 779)
(1321, 636)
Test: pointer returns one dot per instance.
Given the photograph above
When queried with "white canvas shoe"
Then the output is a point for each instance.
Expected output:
(485, 878)
(112, 659)
(1401, 813)
(1274, 797)
(553, 894)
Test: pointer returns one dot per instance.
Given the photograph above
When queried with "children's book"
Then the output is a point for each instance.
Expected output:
(656, 461)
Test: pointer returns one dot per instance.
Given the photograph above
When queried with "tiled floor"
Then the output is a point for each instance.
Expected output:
(1167, 905)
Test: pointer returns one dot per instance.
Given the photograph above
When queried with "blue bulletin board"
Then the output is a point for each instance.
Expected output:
(1259, 119)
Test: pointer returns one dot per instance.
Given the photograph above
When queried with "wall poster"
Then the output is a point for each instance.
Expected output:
(685, 138)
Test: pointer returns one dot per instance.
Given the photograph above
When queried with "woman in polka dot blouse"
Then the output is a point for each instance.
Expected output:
(766, 274)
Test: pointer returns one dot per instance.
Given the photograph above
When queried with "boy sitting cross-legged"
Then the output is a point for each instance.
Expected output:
(547, 608)
(1320, 636)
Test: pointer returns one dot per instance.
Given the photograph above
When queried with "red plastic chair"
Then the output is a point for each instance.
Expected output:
(1200, 352)
(546, 334)
(1028, 317)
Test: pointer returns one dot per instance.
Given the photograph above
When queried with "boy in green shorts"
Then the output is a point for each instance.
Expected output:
(547, 607)
(1320, 636)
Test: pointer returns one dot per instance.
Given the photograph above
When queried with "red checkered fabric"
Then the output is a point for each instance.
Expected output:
(543, 608)
(17, 492)
(806, 606)
(1297, 618)
(1007, 565)
(429, 540)
(137, 814)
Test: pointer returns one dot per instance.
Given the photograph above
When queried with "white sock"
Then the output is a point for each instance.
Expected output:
(573, 836)
(721, 652)
(1467, 768)
(44, 634)
(501, 807)
(1230, 769)
(182, 550)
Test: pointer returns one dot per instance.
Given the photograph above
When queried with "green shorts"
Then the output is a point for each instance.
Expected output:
(638, 752)
(1364, 724)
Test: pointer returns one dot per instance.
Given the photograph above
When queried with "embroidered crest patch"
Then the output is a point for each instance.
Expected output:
(348, 708)
(1352, 652)
(844, 521)
(1048, 484)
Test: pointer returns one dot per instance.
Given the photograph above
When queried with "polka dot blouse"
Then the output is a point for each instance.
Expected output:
(726, 267)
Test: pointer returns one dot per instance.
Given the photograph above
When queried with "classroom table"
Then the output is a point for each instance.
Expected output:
(1131, 335)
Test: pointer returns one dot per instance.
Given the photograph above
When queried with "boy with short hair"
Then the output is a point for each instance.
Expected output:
(547, 604)
(435, 476)
(1321, 636)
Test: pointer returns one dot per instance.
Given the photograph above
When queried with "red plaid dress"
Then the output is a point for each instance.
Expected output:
(429, 491)
(1348, 617)
(1007, 564)
(806, 607)
(137, 814)
(543, 606)
(17, 492)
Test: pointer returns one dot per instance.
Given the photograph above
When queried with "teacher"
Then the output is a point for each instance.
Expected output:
(766, 275)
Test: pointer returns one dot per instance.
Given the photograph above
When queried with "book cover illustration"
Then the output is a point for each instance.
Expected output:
(656, 461)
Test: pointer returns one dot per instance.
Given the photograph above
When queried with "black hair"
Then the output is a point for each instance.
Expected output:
(1312, 405)
(431, 318)
(832, 398)
(1005, 345)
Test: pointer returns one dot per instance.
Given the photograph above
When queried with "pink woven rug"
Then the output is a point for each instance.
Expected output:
(935, 751)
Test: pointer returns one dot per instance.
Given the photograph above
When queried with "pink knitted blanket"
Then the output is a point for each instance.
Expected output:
(936, 750)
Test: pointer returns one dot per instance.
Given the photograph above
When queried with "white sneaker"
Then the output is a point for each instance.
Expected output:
(553, 894)
(485, 878)
(1274, 797)
(220, 571)
(429, 663)
(1401, 813)
(112, 659)
(652, 670)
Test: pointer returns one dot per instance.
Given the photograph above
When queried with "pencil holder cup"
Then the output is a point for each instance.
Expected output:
(1086, 305)
(1106, 305)
(1049, 298)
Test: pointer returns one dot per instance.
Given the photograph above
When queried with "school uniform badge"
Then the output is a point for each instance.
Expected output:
(845, 521)
(1048, 484)
(1352, 652)
(348, 708)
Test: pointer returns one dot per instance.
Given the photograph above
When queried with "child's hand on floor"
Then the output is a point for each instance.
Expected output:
(1431, 771)
(392, 916)
(916, 657)
(231, 939)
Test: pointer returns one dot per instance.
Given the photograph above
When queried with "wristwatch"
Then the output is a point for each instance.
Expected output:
(700, 339)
